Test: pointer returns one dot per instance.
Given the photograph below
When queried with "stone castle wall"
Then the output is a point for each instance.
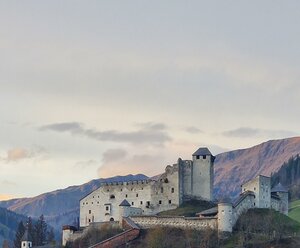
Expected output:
(196, 223)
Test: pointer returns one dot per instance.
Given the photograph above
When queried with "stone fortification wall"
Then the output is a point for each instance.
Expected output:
(275, 202)
(185, 179)
(165, 191)
(242, 206)
(179, 222)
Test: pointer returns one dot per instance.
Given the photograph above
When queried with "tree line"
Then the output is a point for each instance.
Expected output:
(289, 176)
(39, 232)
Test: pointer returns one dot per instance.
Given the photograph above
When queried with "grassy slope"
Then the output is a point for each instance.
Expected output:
(294, 211)
(188, 209)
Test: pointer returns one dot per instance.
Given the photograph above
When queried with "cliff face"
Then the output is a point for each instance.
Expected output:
(235, 167)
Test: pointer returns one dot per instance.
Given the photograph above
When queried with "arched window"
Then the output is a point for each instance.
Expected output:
(112, 197)
(111, 219)
(166, 180)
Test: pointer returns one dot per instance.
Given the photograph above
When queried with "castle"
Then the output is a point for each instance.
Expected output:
(183, 181)
(188, 179)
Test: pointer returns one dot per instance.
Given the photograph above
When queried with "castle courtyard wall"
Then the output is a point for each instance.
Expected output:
(196, 223)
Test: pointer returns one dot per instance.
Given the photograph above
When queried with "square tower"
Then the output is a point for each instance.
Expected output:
(203, 174)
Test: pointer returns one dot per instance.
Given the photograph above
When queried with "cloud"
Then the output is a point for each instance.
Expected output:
(193, 130)
(16, 154)
(148, 133)
(85, 164)
(112, 155)
(247, 132)
(138, 163)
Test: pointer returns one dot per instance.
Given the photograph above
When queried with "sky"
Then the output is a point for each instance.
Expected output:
(92, 89)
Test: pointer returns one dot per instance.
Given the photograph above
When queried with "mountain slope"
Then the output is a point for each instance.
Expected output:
(9, 222)
(235, 167)
(231, 170)
(61, 206)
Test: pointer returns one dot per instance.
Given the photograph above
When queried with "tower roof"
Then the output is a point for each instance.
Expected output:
(202, 151)
(26, 236)
(279, 188)
(124, 203)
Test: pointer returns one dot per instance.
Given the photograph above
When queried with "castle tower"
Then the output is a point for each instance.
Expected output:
(124, 211)
(283, 193)
(225, 217)
(26, 241)
(203, 174)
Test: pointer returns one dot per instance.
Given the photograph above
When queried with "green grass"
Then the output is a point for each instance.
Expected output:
(188, 209)
(294, 212)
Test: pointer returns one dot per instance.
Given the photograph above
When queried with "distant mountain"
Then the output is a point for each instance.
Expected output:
(231, 170)
(9, 222)
(61, 207)
(235, 167)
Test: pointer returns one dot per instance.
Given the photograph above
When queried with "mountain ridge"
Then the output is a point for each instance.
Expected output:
(231, 170)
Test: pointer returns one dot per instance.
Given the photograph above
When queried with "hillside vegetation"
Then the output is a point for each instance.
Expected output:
(9, 222)
(294, 211)
(235, 167)
(188, 209)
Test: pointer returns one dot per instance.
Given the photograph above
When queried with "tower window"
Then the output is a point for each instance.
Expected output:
(170, 201)
(172, 190)
(126, 195)
(159, 202)
(106, 208)
(141, 202)
(90, 211)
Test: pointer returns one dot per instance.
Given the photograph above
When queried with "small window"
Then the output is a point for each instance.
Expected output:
(93, 196)
(107, 208)
(132, 203)
(170, 201)
(92, 203)
(172, 190)
(254, 204)
(107, 190)
(121, 189)
(166, 180)
(254, 188)
(137, 195)
(148, 203)
(112, 197)
(126, 196)
(159, 202)
(82, 203)
(197, 157)
(111, 219)
(204, 156)
(89, 220)
(141, 202)
(161, 190)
